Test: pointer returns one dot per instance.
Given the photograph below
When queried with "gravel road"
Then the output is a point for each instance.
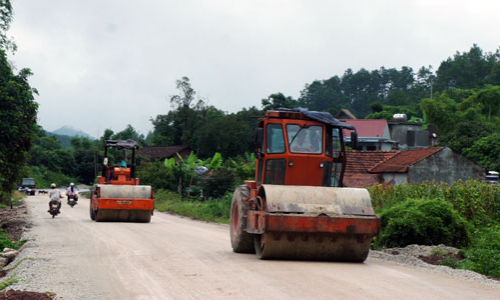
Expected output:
(178, 258)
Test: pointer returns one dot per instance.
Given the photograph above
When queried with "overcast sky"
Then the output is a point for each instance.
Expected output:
(101, 64)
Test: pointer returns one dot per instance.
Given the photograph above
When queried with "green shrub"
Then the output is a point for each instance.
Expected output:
(216, 210)
(423, 222)
(476, 201)
(218, 183)
(451, 262)
(484, 254)
(156, 175)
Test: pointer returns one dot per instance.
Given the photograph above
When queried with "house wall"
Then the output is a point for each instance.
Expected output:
(368, 146)
(409, 136)
(397, 178)
(444, 166)
(387, 133)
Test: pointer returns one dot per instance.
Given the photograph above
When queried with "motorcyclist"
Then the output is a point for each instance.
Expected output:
(72, 192)
(54, 194)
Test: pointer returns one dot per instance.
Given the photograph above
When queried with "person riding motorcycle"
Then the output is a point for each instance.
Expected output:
(54, 194)
(72, 192)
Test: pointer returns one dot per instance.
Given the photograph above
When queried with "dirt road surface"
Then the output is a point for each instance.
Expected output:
(178, 258)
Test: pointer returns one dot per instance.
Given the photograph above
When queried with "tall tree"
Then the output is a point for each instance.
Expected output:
(18, 111)
(178, 126)
(466, 70)
(6, 43)
(278, 100)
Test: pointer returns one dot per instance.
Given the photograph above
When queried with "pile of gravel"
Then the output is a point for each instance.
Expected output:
(409, 256)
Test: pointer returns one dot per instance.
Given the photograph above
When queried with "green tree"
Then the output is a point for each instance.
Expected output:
(464, 135)
(229, 135)
(486, 152)
(489, 98)
(6, 43)
(178, 126)
(466, 70)
(278, 100)
(18, 111)
(440, 111)
(130, 133)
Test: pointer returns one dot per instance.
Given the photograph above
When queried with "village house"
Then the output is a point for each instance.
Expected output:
(440, 164)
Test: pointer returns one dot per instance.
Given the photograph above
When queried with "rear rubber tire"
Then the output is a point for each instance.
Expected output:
(241, 241)
(92, 213)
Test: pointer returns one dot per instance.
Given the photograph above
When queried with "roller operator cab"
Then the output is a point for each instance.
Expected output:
(296, 208)
(118, 196)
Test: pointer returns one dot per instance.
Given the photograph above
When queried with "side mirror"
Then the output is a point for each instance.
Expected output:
(354, 140)
(105, 162)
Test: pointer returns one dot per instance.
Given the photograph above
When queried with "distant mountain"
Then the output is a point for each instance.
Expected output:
(70, 131)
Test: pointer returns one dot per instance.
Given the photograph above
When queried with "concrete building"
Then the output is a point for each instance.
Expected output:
(409, 135)
(440, 164)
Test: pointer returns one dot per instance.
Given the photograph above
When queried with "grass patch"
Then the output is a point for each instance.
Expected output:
(6, 242)
(8, 282)
(214, 210)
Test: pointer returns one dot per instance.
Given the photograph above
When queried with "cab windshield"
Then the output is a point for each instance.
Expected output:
(305, 139)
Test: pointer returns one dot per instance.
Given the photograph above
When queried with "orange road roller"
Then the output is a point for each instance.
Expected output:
(118, 196)
(297, 207)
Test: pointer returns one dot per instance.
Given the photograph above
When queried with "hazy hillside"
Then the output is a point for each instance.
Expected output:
(70, 131)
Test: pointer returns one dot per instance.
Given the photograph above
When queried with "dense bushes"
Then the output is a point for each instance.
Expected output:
(476, 201)
(423, 222)
(484, 254)
(442, 219)
(218, 183)
(156, 175)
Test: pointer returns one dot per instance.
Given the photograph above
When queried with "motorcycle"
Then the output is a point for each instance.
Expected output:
(54, 208)
(72, 200)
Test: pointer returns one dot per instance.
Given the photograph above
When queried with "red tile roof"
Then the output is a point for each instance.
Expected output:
(161, 152)
(366, 128)
(400, 162)
(361, 161)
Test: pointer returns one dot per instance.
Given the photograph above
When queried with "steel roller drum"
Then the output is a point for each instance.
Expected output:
(314, 200)
(125, 191)
(321, 202)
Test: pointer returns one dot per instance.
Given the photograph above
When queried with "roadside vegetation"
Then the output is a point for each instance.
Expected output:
(205, 186)
(212, 210)
(465, 215)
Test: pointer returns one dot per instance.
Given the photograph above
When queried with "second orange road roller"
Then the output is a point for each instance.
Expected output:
(118, 196)
(297, 207)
